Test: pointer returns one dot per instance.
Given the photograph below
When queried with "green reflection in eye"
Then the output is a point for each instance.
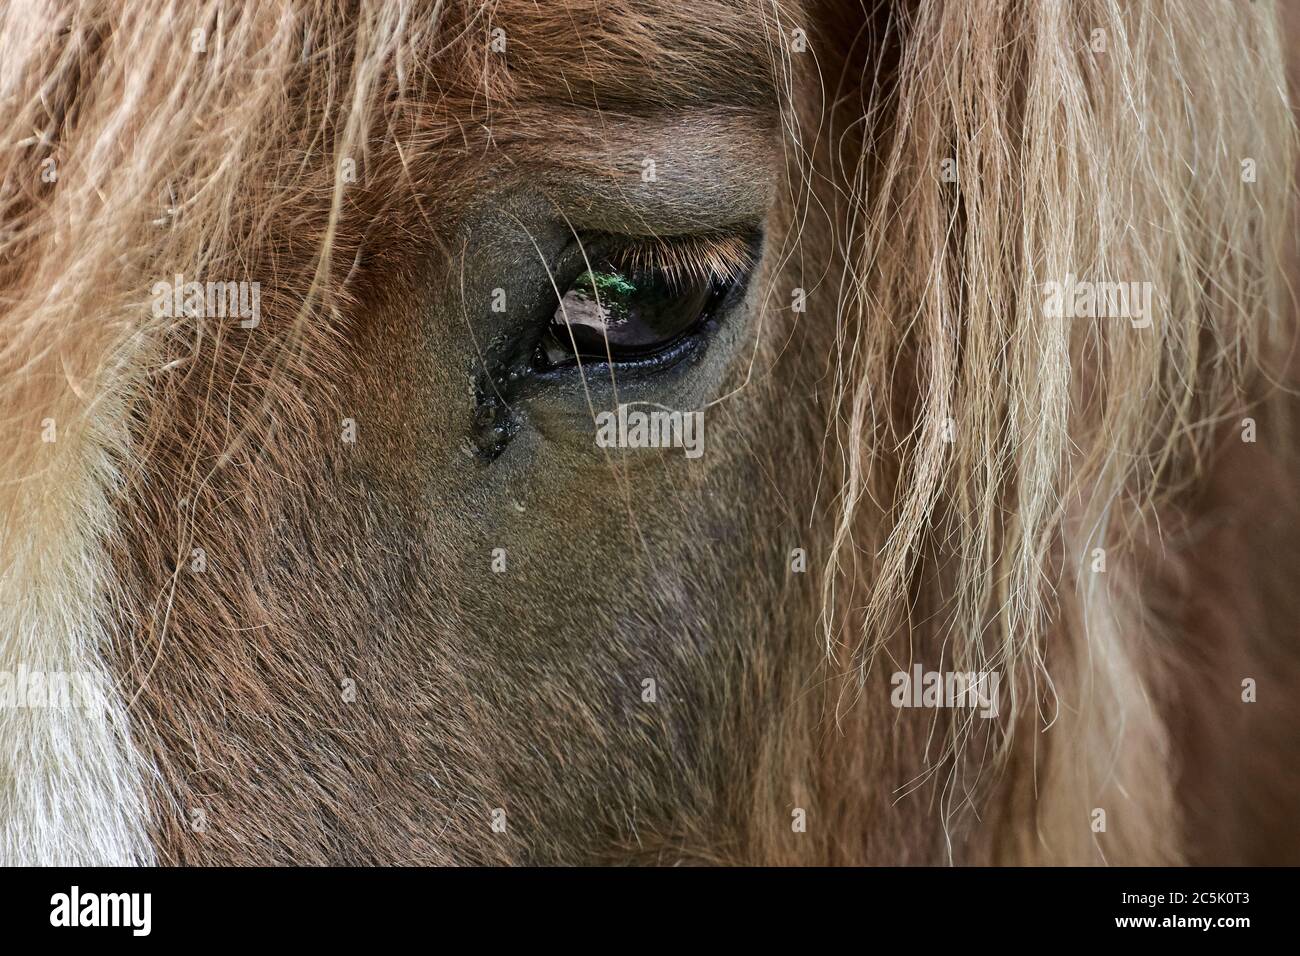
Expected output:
(613, 290)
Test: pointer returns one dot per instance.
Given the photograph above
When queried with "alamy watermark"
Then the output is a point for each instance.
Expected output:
(977, 690)
(210, 300)
(1082, 299)
(130, 910)
(28, 688)
(632, 428)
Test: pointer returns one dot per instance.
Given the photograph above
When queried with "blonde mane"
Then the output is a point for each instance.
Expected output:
(1024, 143)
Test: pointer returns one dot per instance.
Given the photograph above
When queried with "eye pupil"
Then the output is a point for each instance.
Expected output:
(623, 314)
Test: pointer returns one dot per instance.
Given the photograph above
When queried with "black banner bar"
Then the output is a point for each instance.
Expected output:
(335, 905)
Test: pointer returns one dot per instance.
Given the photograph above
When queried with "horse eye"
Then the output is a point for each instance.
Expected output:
(626, 314)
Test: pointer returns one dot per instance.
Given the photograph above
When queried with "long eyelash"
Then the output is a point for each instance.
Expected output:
(683, 260)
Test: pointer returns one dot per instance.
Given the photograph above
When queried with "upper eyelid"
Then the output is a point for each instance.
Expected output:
(715, 171)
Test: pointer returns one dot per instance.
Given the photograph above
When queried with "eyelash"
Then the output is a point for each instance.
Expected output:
(716, 257)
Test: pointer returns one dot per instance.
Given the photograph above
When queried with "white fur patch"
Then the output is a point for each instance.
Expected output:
(71, 783)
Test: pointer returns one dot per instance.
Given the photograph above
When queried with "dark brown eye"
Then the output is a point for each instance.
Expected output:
(627, 314)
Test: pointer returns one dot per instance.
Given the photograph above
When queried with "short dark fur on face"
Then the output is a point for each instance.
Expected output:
(367, 600)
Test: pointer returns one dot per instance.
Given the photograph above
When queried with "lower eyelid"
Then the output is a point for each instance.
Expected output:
(598, 370)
